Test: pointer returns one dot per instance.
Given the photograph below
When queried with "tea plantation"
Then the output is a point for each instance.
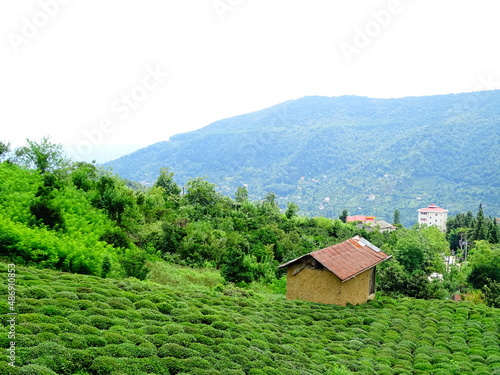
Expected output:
(76, 324)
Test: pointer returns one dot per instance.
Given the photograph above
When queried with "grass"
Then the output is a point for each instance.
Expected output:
(191, 324)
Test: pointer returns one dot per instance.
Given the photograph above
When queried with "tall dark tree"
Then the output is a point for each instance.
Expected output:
(291, 210)
(343, 215)
(480, 230)
(493, 236)
(397, 219)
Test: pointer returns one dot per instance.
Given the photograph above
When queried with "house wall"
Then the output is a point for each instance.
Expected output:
(437, 219)
(324, 287)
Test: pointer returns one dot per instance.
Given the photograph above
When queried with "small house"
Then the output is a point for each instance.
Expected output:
(339, 274)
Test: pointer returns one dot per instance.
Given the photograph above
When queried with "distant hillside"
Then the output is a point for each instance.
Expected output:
(367, 155)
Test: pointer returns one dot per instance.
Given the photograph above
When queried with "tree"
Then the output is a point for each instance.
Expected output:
(480, 230)
(4, 149)
(493, 236)
(44, 207)
(241, 194)
(484, 261)
(343, 216)
(491, 293)
(45, 156)
(166, 181)
(397, 219)
(202, 192)
(291, 210)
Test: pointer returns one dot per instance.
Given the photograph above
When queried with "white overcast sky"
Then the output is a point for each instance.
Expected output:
(66, 67)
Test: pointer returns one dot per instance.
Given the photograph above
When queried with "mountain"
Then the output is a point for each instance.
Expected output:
(367, 155)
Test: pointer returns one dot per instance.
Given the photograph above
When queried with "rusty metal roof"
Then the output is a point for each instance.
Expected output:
(347, 259)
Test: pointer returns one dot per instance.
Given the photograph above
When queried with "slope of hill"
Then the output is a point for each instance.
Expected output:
(76, 324)
(367, 155)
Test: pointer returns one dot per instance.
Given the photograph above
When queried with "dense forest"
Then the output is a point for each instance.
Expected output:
(76, 217)
(368, 156)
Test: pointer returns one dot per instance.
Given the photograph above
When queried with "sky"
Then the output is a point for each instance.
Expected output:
(106, 77)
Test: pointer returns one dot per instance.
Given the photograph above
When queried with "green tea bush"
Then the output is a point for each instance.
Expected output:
(35, 370)
(145, 304)
(100, 321)
(105, 365)
(174, 350)
(95, 341)
(37, 292)
(112, 337)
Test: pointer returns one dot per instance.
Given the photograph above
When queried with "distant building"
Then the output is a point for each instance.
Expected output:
(370, 223)
(361, 218)
(433, 215)
(339, 274)
(380, 225)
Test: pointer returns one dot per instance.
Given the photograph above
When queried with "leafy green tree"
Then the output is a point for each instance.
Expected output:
(106, 266)
(491, 293)
(4, 149)
(343, 216)
(241, 194)
(291, 210)
(484, 262)
(44, 207)
(133, 262)
(84, 175)
(166, 181)
(392, 278)
(45, 156)
(396, 219)
(201, 192)
(237, 267)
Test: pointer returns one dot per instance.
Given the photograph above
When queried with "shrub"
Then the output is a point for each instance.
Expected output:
(37, 292)
(106, 365)
(174, 350)
(35, 370)
(100, 322)
(120, 303)
(95, 341)
(145, 304)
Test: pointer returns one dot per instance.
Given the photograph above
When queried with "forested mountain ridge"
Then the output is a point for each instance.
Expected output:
(326, 154)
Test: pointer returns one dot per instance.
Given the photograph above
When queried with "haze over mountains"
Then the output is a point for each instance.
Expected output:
(367, 155)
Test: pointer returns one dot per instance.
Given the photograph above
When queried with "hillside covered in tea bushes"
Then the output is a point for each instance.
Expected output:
(76, 324)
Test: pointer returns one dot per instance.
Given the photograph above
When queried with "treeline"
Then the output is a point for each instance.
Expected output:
(79, 218)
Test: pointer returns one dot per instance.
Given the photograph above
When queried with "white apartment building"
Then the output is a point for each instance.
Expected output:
(433, 215)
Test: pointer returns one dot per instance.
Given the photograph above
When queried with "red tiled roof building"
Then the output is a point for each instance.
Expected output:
(433, 215)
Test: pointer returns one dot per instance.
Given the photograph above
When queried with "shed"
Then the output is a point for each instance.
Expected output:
(339, 274)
